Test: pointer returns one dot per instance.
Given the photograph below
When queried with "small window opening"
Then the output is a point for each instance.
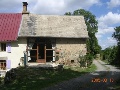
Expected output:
(3, 46)
(72, 61)
(2, 64)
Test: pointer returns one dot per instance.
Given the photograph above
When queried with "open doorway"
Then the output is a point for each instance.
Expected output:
(41, 51)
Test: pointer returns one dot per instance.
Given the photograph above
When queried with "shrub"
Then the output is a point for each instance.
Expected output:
(86, 60)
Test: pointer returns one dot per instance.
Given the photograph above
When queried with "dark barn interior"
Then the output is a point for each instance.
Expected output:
(42, 48)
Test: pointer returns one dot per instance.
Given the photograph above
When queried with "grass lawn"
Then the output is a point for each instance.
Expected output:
(36, 79)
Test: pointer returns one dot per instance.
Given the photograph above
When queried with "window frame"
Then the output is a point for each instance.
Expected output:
(3, 47)
(3, 65)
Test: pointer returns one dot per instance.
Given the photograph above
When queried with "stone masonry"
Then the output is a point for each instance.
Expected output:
(68, 50)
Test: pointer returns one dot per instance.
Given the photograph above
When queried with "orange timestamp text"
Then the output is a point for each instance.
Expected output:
(97, 80)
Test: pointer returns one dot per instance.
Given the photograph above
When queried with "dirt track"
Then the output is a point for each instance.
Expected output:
(102, 79)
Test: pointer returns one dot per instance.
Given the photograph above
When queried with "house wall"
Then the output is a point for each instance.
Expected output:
(17, 48)
(70, 49)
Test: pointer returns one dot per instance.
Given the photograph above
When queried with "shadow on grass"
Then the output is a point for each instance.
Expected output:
(99, 80)
(34, 78)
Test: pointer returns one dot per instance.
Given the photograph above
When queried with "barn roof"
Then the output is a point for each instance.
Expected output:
(34, 25)
(9, 26)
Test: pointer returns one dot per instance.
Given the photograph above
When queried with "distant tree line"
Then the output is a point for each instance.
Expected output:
(112, 54)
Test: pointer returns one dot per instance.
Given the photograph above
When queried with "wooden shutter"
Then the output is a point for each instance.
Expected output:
(8, 64)
(8, 46)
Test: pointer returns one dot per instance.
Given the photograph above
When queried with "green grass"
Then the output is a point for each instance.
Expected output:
(36, 79)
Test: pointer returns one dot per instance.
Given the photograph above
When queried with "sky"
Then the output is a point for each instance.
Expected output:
(107, 13)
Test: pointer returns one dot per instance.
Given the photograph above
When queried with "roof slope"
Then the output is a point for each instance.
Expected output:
(9, 26)
(53, 26)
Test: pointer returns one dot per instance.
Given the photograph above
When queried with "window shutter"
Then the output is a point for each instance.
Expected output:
(8, 46)
(8, 64)
(0, 46)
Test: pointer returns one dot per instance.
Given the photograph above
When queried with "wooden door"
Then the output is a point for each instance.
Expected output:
(41, 53)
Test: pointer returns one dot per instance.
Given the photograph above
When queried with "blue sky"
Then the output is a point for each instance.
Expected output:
(107, 13)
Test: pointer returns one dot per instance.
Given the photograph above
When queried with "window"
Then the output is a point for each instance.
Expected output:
(3, 46)
(2, 64)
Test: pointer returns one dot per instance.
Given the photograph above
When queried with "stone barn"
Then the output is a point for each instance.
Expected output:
(44, 38)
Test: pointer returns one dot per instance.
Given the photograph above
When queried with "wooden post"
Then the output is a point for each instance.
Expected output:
(45, 53)
(37, 51)
(24, 58)
(27, 55)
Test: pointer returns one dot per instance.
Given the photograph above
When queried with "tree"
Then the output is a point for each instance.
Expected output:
(92, 28)
(116, 34)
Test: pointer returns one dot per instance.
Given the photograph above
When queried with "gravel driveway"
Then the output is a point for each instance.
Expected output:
(102, 79)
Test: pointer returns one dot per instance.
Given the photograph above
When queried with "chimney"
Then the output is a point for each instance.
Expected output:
(25, 8)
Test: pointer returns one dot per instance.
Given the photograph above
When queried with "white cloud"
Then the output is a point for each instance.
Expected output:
(108, 41)
(47, 6)
(106, 23)
(62, 6)
(109, 19)
(14, 6)
(111, 40)
(113, 3)
(105, 30)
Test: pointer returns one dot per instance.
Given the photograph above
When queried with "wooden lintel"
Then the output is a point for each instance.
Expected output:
(31, 49)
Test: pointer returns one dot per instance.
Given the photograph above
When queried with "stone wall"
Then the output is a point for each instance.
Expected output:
(68, 50)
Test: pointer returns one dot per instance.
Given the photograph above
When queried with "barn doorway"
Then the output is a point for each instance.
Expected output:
(41, 51)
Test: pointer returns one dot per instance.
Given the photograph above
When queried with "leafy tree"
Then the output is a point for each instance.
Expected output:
(116, 34)
(92, 28)
(112, 54)
(109, 54)
(68, 13)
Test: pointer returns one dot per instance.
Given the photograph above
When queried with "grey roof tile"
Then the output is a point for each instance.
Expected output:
(53, 26)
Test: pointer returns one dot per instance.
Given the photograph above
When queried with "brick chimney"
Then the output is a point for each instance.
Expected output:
(25, 8)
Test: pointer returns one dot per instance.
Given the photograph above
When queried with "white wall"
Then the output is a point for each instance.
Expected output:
(17, 48)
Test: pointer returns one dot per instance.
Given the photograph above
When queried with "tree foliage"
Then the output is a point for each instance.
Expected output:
(112, 54)
(116, 34)
(92, 28)
(86, 60)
